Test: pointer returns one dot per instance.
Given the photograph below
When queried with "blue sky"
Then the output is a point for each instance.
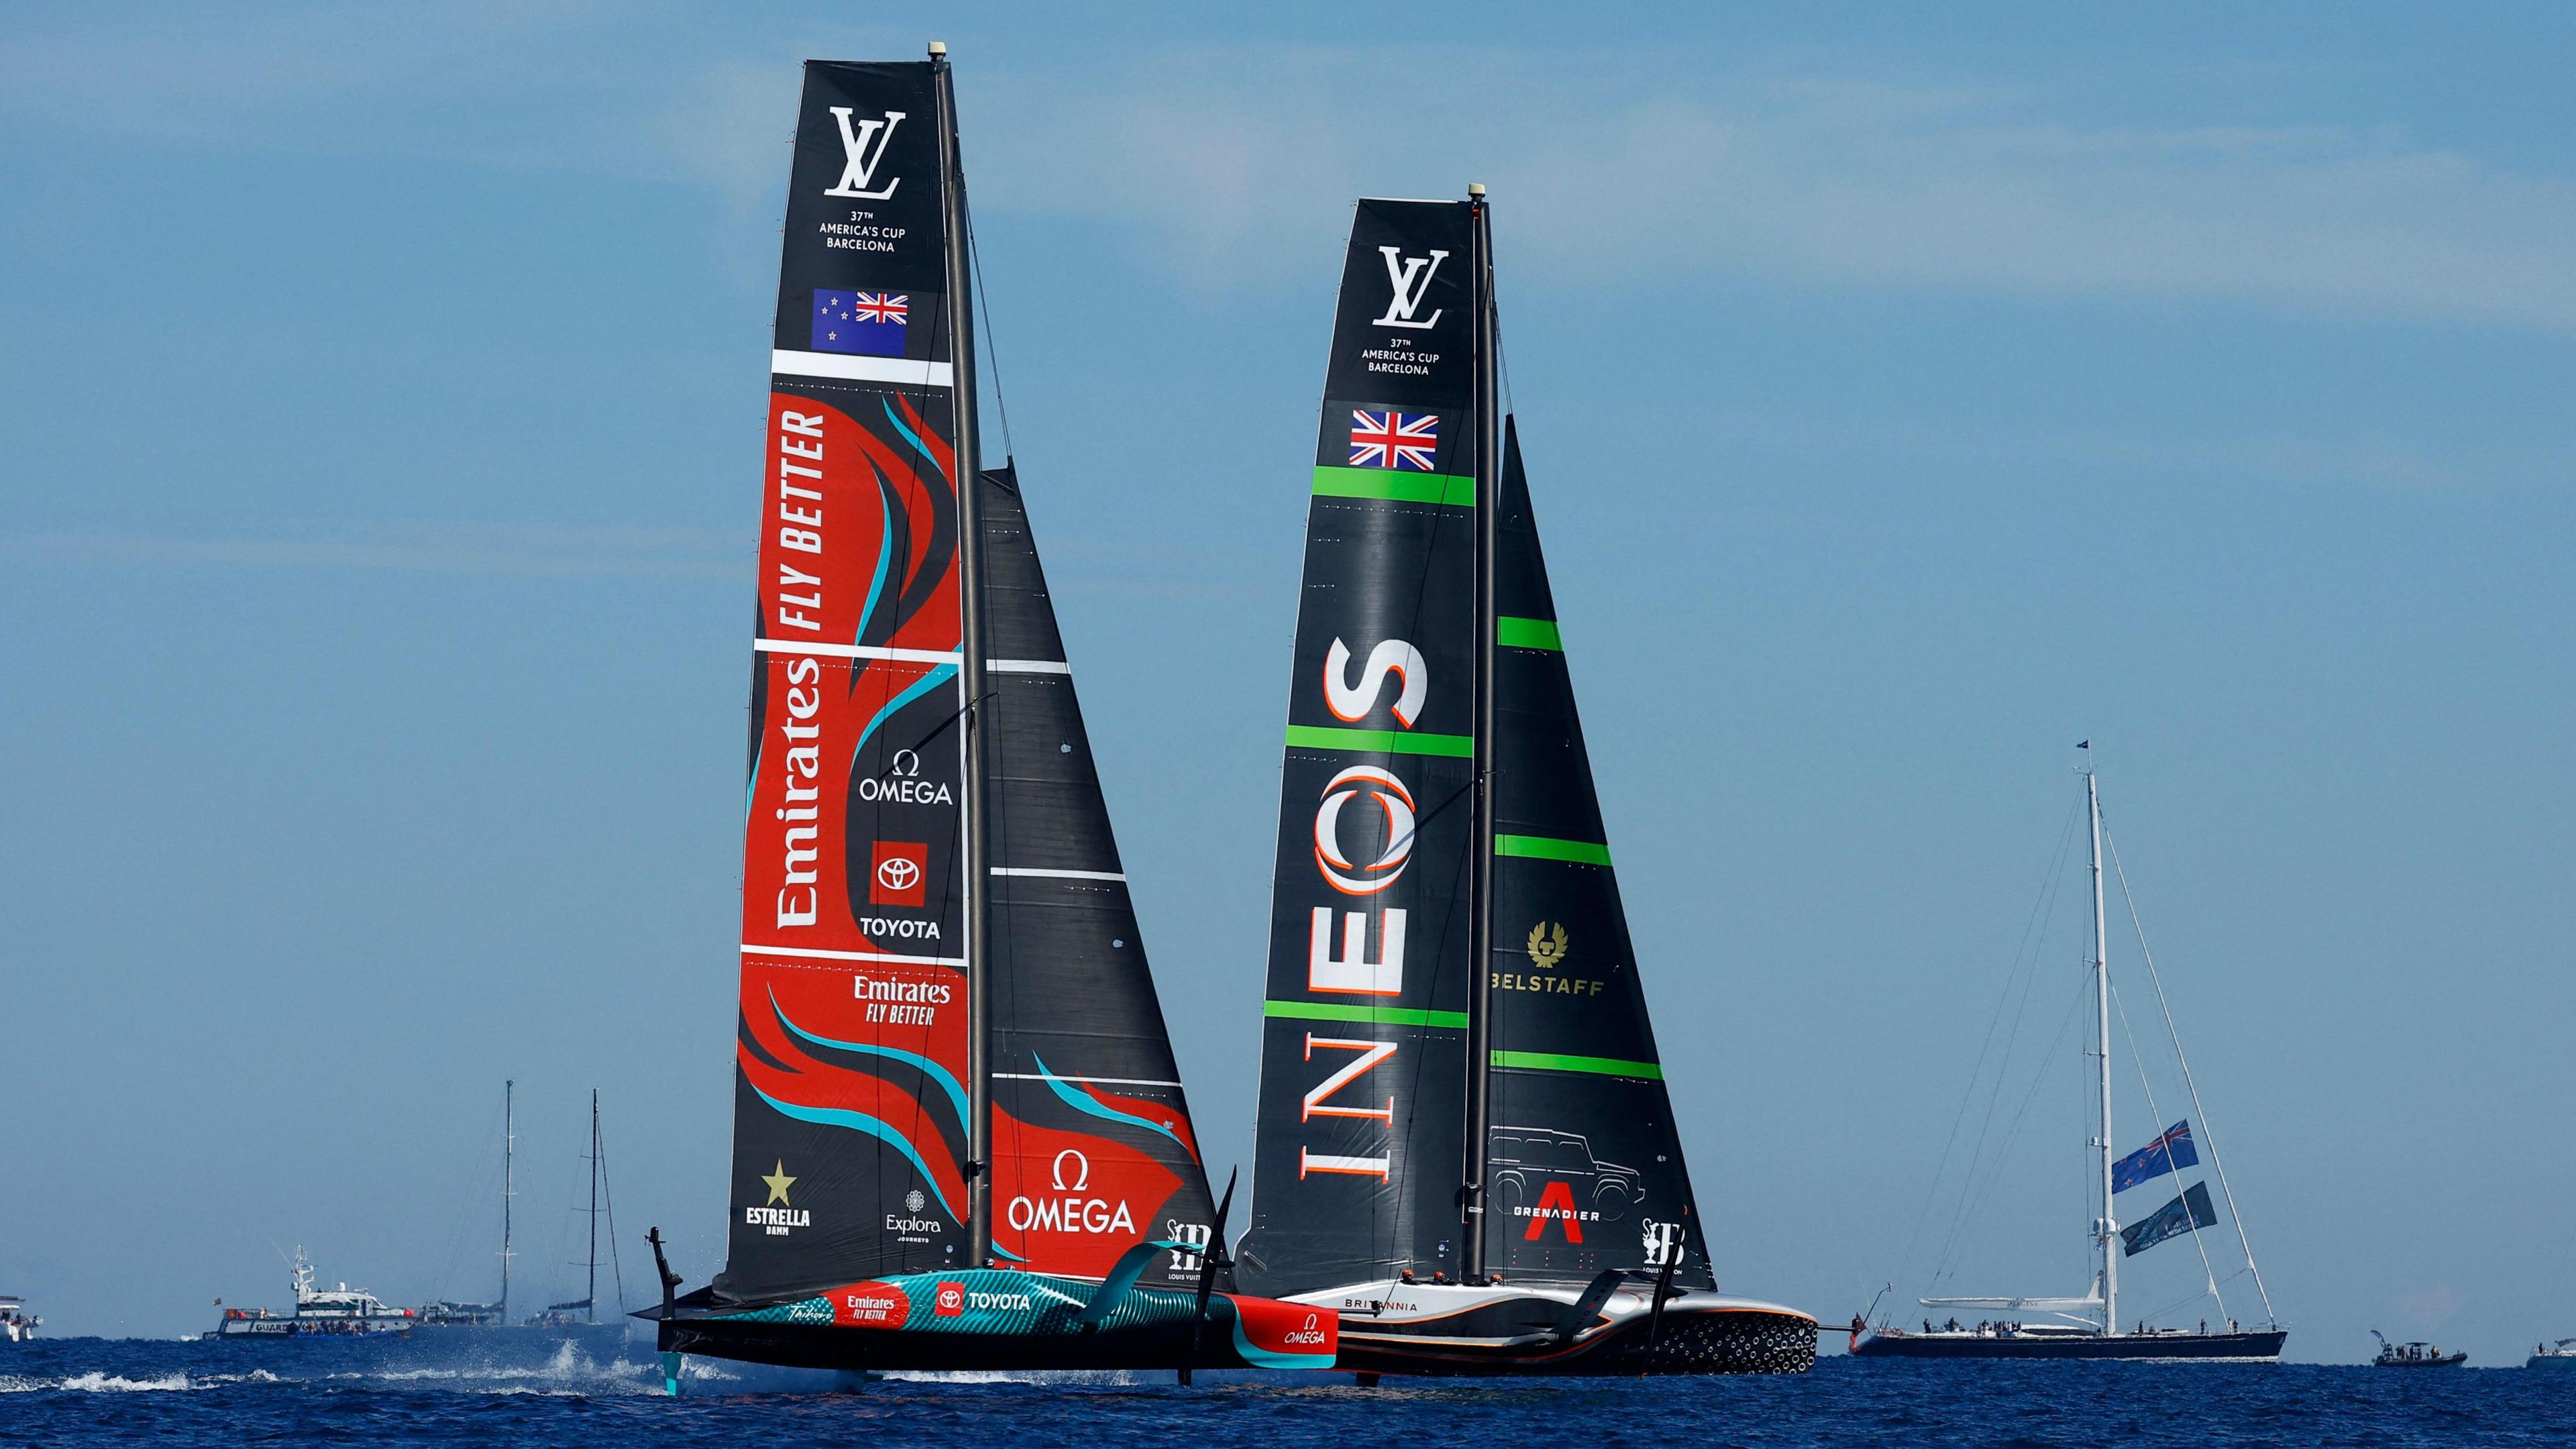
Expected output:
(1907, 396)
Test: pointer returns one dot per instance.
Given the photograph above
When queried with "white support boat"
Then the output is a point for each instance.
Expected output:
(340, 1312)
(17, 1325)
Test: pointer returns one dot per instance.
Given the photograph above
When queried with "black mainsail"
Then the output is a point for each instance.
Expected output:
(1364, 1041)
(1465, 1143)
(960, 1139)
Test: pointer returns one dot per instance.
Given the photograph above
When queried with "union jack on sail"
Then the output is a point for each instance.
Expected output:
(1393, 440)
(880, 307)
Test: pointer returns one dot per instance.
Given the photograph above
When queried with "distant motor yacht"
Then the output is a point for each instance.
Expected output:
(341, 1312)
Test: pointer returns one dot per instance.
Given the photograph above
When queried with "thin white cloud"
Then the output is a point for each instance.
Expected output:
(1237, 166)
(455, 548)
(1242, 168)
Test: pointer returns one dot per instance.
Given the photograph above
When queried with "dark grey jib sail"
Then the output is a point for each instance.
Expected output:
(1581, 1122)
(1092, 1136)
(1416, 620)
(949, 1049)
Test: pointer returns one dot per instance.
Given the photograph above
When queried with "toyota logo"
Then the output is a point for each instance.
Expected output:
(898, 873)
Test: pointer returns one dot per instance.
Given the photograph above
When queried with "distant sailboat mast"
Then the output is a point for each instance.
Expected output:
(509, 1140)
(2106, 1228)
(590, 1288)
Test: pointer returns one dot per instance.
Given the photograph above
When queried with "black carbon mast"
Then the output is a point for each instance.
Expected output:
(1480, 932)
(971, 671)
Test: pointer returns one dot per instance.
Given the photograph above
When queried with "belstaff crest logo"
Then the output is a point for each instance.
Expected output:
(1547, 944)
(1409, 277)
(863, 149)
(1394, 800)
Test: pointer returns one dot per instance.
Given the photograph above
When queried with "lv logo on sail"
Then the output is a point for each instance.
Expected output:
(1411, 278)
(859, 160)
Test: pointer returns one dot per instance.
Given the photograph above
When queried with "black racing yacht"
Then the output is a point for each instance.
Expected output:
(1466, 1149)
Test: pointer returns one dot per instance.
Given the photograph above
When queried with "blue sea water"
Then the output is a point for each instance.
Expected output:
(118, 1391)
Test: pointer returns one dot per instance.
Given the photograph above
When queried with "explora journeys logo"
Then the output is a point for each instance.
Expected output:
(863, 149)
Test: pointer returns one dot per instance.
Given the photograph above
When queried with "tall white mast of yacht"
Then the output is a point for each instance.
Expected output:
(2105, 1229)
(510, 1140)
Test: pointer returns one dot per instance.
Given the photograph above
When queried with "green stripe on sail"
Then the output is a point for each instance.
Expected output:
(1379, 742)
(1513, 633)
(1374, 1015)
(1597, 1066)
(1387, 483)
(1541, 847)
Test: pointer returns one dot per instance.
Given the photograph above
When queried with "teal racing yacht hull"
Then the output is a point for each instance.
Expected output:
(996, 1319)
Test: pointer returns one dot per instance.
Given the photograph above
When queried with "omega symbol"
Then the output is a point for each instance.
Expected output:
(1081, 1171)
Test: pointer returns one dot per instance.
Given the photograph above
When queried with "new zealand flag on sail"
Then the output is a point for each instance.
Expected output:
(869, 324)
(2189, 1211)
(2170, 1153)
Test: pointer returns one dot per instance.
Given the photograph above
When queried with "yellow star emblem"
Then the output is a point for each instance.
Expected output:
(779, 1182)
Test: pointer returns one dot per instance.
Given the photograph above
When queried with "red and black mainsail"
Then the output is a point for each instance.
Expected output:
(956, 1108)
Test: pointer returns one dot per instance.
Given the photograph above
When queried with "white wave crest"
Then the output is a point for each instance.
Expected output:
(106, 1383)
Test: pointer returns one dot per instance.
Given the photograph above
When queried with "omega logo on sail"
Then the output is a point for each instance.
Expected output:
(1069, 1211)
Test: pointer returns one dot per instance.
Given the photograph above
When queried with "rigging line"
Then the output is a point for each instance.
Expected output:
(975, 259)
(2034, 929)
(2180, 1302)
(479, 1188)
(2138, 1059)
(2045, 899)
(608, 1200)
(2073, 1009)
(2175, 1036)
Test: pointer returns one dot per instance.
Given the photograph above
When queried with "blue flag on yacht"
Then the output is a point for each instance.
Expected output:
(2170, 1153)
(2189, 1211)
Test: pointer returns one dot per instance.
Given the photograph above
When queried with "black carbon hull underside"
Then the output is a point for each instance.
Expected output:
(796, 1345)
(2260, 1346)
(1734, 1341)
